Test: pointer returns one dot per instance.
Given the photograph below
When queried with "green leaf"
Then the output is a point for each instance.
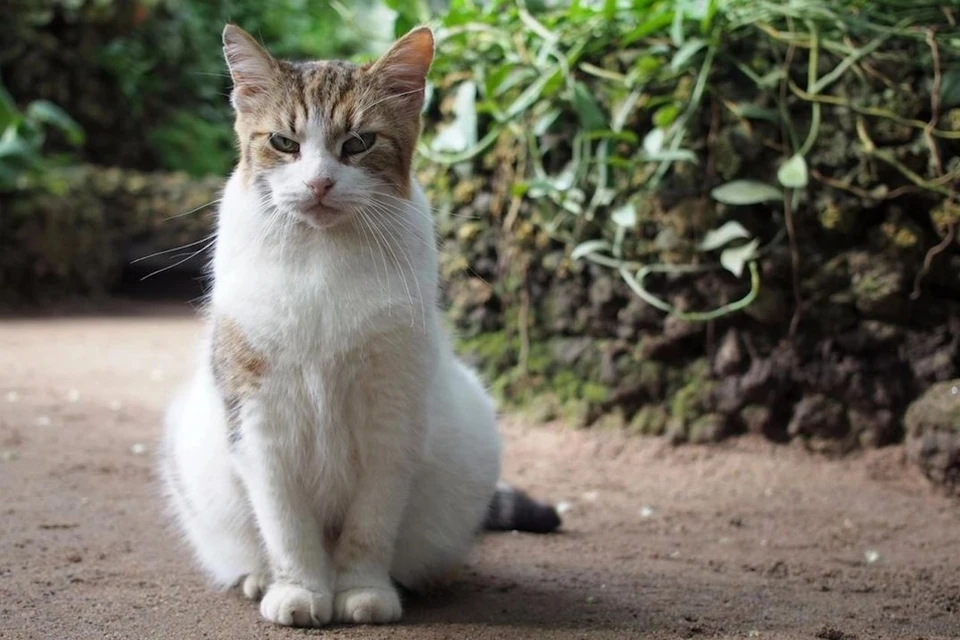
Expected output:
(496, 77)
(685, 53)
(950, 89)
(666, 115)
(734, 259)
(742, 192)
(590, 246)
(676, 28)
(793, 173)
(752, 111)
(625, 216)
(530, 95)
(723, 235)
(544, 122)
(652, 25)
(49, 113)
(591, 117)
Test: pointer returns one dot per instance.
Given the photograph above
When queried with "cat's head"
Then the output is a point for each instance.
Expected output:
(320, 140)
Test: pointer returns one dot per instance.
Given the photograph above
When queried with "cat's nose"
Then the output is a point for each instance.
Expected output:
(320, 187)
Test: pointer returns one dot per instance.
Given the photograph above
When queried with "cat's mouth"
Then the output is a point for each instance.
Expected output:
(321, 216)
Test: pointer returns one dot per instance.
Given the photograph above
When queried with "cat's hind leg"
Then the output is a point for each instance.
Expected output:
(458, 478)
(205, 494)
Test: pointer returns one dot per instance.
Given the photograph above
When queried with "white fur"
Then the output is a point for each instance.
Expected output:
(366, 423)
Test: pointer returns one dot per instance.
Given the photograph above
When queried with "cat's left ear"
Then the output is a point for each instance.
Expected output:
(403, 69)
(254, 71)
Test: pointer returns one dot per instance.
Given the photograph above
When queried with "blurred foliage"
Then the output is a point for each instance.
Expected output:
(146, 78)
(599, 118)
(23, 161)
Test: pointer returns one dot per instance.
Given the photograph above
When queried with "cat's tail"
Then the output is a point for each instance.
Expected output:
(513, 510)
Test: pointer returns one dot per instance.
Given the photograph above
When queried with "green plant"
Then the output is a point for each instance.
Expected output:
(603, 111)
(146, 78)
(24, 161)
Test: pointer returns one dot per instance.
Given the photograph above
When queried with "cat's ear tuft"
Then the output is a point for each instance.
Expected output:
(253, 69)
(404, 67)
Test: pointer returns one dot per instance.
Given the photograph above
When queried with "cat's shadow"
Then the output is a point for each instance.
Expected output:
(512, 599)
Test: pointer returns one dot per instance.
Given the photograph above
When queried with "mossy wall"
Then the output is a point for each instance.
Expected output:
(79, 239)
(568, 339)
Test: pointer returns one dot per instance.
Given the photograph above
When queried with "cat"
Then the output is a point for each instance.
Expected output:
(330, 446)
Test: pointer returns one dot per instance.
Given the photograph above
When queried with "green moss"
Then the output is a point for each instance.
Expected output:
(710, 427)
(614, 419)
(566, 385)
(594, 392)
(542, 408)
(650, 420)
(576, 413)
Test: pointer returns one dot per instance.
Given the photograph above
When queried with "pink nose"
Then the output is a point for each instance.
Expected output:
(320, 187)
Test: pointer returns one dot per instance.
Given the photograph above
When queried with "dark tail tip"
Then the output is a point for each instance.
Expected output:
(513, 510)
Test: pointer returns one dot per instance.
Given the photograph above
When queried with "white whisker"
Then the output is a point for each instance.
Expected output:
(184, 246)
(180, 262)
(180, 215)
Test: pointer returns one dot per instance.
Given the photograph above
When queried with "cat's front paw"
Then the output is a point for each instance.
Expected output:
(255, 585)
(294, 606)
(368, 605)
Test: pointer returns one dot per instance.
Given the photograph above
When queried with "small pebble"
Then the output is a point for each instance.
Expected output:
(674, 554)
(563, 507)
(13, 396)
(43, 421)
(8, 455)
(591, 496)
(753, 633)
(954, 390)
(591, 599)
(73, 395)
(871, 556)
(115, 405)
(847, 523)
(646, 511)
(138, 449)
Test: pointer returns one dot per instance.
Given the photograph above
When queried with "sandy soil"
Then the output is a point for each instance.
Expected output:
(743, 540)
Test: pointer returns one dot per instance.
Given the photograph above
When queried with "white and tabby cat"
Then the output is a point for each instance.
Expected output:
(330, 444)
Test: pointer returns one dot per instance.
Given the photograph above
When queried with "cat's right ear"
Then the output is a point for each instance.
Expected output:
(253, 70)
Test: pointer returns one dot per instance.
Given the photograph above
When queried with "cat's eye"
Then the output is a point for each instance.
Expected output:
(358, 143)
(283, 144)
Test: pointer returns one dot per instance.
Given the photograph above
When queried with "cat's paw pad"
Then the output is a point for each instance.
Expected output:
(368, 605)
(294, 606)
(255, 585)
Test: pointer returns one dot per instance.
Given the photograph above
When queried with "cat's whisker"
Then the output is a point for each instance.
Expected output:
(368, 237)
(404, 225)
(180, 262)
(184, 246)
(194, 210)
(435, 211)
(396, 260)
(413, 275)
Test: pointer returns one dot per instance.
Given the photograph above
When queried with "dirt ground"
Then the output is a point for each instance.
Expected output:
(743, 540)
